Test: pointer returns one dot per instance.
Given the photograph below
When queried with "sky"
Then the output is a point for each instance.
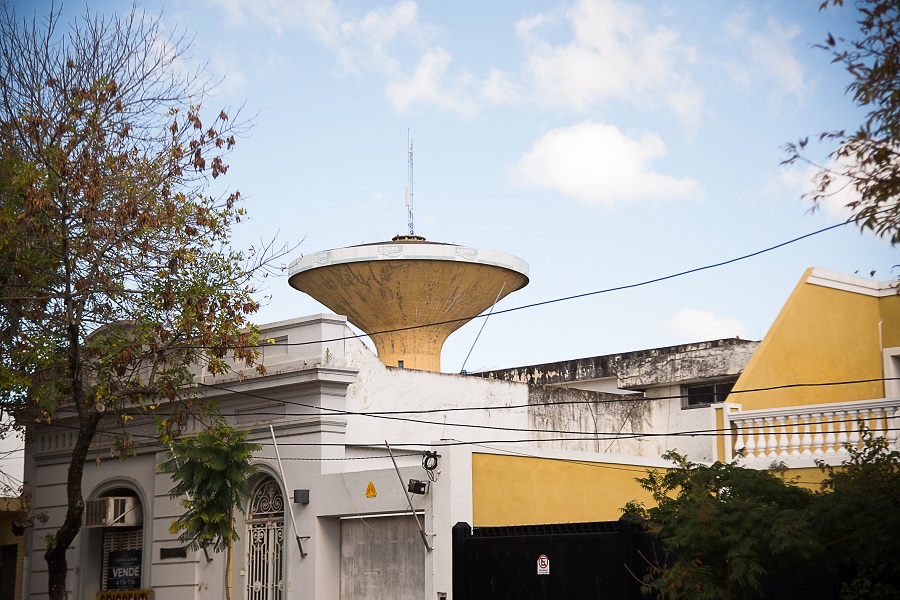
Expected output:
(606, 143)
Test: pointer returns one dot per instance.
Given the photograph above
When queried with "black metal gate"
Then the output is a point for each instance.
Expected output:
(583, 560)
(589, 561)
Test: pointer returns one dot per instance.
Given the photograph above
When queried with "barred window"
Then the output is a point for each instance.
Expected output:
(693, 396)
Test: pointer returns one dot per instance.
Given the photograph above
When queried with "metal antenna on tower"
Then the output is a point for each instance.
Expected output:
(409, 187)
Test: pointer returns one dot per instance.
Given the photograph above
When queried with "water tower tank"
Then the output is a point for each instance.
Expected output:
(408, 294)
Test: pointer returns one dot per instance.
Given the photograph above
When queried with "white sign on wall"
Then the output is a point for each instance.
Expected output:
(543, 565)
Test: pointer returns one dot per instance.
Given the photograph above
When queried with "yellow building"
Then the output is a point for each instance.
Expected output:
(830, 361)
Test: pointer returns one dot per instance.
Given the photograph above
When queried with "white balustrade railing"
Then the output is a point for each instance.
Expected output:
(805, 434)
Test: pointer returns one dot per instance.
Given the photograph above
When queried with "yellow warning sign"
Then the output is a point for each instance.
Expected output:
(370, 490)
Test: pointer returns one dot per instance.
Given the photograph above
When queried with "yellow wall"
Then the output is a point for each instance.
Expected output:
(516, 490)
(822, 335)
(890, 320)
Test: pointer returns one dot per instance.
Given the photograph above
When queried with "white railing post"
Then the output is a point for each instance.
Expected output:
(830, 437)
(841, 419)
(795, 437)
(750, 424)
(853, 438)
(891, 424)
(782, 451)
(772, 442)
(739, 443)
(807, 439)
(818, 438)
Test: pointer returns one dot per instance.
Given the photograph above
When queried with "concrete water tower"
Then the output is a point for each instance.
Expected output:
(408, 294)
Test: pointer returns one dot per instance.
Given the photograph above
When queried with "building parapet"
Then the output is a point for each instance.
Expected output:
(802, 436)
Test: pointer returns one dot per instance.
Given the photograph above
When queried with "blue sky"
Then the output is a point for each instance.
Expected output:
(604, 142)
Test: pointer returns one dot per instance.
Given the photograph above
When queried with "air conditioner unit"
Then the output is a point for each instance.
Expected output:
(113, 511)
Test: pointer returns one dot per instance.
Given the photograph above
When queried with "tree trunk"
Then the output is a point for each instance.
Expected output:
(55, 556)
(228, 573)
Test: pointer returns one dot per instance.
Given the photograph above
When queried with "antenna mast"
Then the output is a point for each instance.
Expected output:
(409, 187)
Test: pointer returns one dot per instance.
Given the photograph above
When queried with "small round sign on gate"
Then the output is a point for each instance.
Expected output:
(543, 565)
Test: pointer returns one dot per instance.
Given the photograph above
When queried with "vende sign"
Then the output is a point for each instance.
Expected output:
(543, 565)
(123, 570)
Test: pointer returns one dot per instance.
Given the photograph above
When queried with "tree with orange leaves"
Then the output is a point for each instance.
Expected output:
(116, 268)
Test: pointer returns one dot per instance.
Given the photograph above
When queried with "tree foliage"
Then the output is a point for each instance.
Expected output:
(211, 471)
(117, 273)
(867, 159)
(860, 513)
(728, 529)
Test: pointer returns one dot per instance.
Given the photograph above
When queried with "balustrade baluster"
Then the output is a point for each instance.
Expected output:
(750, 425)
(840, 418)
(772, 441)
(878, 426)
(807, 440)
(782, 451)
(818, 438)
(830, 437)
(795, 437)
(890, 420)
(739, 443)
(761, 444)
(855, 417)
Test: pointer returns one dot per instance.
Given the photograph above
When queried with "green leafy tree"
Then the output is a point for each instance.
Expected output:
(211, 471)
(868, 159)
(118, 276)
(858, 519)
(727, 530)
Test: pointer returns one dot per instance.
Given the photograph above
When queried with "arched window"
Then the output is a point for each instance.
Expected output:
(114, 543)
(265, 542)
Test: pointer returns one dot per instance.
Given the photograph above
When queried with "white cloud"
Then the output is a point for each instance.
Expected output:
(379, 42)
(369, 41)
(497, 88)
(768, 54)
(614, 55)
(426, 86)
(317, 16)
(701, 325)
(598, 164)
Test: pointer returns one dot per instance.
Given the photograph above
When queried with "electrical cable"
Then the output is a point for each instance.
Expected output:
(572, 436)
(594, 435)
(544, 302)
(624, 398)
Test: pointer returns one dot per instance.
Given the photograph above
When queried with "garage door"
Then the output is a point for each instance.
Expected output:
(382, 558)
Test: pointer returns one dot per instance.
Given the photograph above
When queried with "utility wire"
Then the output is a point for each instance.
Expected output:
(624, 398)
(571, 435)
(546, 302)
(394, 415)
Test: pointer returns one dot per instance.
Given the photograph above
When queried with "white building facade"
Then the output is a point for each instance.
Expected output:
(330, 515)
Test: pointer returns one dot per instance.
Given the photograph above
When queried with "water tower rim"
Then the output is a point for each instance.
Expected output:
(408, 250)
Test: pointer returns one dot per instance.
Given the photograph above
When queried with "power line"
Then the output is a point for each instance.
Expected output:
(570, 435)
(610, 436)
(625, 398)
(551, 301)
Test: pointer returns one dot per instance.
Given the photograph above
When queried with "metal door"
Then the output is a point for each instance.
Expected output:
(265, 542)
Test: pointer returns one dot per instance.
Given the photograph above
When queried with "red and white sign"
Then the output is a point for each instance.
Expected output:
(543, 565)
